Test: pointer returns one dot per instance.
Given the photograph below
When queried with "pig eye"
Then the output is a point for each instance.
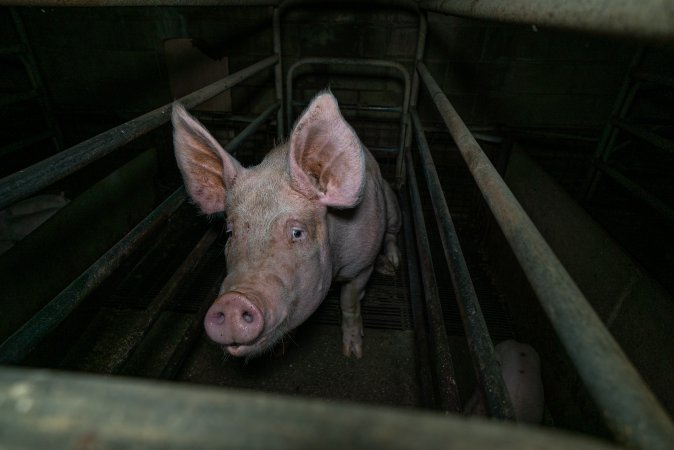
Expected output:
(296, 234)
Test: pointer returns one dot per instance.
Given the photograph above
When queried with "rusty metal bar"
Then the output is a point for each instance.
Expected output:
(644, 19)
(30, 180)
(426, 390)
(23, 341)
(629, 408)
(444, 369)
(487, 369)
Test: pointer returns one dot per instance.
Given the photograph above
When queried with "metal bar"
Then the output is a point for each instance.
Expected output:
(426, 390)
(629, 408)
(447, 390)
(192, 333)
(647, 136)
(487, 369)
(278, 72)
(638, 192)
(183, 275)
(32, 179)
(345, 62)
(23, 341)
(645, 19)
(42, 409)
(621, 106)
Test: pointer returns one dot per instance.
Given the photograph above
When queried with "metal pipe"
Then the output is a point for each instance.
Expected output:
(644, 19)
(24, 340)
(183, 275)
(418, 317)
(345, 62)
(487, 369)
(629, 408)
(43, 409)
(448, 392)
(30, 180)
(192, 333)
(278, 72)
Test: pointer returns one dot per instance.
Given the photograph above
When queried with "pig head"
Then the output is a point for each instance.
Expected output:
(316, 209)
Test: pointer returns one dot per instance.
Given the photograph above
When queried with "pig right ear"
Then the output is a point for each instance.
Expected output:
(207, 169)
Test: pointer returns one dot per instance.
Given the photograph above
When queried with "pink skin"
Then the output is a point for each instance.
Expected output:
(315, 210)
(521, 370)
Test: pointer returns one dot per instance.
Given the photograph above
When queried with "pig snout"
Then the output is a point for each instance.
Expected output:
(233, 320)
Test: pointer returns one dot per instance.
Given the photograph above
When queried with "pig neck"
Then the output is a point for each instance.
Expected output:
(356, 234)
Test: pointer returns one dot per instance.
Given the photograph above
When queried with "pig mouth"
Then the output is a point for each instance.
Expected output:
(263, 344)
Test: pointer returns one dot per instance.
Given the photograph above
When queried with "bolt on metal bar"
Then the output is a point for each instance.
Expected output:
(644, 19)
(487, 370)
(447, 390)
(629, 408)
(30, 180)
(426, 390)
(24, 340)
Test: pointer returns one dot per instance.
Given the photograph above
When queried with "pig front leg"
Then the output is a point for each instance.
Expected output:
(389, 258)
(352, 322)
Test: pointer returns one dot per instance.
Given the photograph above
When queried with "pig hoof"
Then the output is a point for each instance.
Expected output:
(353, 348)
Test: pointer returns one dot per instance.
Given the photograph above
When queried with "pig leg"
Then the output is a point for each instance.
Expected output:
(389, 258)
(352, 322)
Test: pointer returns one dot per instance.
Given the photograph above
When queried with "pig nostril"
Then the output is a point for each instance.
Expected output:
(219, 317)
(248, 317)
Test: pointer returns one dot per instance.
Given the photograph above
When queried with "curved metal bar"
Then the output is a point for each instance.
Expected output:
(347, 62)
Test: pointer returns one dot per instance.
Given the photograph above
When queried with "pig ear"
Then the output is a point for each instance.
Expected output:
(207, 169)
(327, 162)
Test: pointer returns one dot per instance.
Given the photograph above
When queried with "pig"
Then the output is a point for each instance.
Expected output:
(314, 211)
(521, 370)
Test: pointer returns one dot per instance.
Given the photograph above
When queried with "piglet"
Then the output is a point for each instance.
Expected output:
(316, 209)
(521, 370)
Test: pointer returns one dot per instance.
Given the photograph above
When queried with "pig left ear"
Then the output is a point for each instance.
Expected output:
(327, 162)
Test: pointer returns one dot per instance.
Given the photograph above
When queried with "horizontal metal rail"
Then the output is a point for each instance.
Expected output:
(629, 408)
(448, 393)
(24, 340)
(487, 369)
(41, 409)
(643, 19)
(30, 180)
